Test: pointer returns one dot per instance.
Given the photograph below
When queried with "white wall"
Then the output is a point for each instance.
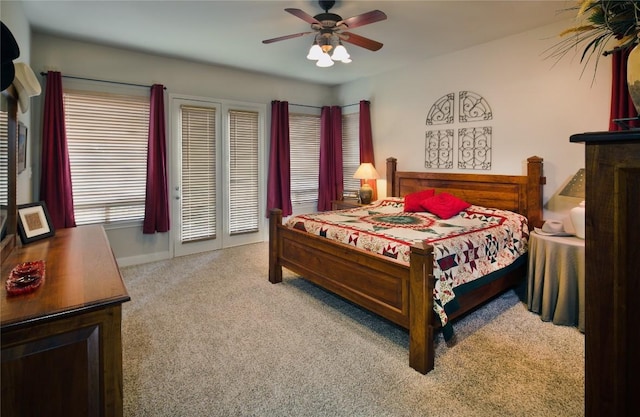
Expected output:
(536, 106)
(83, 59)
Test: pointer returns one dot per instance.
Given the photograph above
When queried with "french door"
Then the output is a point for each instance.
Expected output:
(217, 193)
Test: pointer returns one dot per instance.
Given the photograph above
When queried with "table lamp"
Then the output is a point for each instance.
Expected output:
(576, 188)
(366, 171)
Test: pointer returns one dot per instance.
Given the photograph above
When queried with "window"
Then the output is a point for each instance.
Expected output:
(107, 138)
(198, 173)
(304, 137)
(243, 172)
(350, 150)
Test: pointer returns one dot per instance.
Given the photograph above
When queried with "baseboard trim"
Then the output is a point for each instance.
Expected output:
(143, 259)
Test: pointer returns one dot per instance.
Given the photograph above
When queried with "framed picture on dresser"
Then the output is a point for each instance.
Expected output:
(34, 222)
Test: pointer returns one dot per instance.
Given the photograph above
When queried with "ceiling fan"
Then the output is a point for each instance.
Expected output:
(330, 30)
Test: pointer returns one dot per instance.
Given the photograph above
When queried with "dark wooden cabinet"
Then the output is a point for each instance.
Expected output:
(62, 343)
(612, 245)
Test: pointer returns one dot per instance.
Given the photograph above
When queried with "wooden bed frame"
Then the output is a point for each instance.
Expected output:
(399, 292)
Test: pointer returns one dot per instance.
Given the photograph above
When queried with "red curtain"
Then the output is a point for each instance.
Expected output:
(621, 105)
(366, 142)
(279, 180)
(55, 179)
(156, 204)
(330, 185)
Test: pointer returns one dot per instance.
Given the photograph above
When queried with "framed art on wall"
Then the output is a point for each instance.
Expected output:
(34, 222)
(22, 147)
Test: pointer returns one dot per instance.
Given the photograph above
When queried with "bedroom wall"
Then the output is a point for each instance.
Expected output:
(84, 59)
(536, 103)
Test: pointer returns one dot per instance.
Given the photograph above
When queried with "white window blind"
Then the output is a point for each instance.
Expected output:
(243, 171)
(198, 203)
(107, 139)
(350, 150)
(4, 158)
(304, 137)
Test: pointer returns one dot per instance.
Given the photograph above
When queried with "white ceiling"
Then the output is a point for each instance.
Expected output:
(230, 33)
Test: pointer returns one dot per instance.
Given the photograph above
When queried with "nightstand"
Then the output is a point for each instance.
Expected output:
(556, 279)
(346, 204)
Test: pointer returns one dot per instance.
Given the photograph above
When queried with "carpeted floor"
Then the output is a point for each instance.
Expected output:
(208, 335)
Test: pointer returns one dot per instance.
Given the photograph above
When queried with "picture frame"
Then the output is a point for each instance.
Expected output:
(350, 194)
(34, 222)
(22, 147)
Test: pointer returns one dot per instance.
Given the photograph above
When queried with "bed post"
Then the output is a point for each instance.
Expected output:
(421, 284)
(535, 181)
(391, 177)
(275, 269)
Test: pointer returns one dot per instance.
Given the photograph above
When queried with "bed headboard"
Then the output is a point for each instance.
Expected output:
(519, 193)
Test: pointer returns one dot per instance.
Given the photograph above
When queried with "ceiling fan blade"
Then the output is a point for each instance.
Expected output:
(283, 38)
(303, 15)
(363, 19)
(360, 41)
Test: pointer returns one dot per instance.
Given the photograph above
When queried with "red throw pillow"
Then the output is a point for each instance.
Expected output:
(412, 201)
(444, 205)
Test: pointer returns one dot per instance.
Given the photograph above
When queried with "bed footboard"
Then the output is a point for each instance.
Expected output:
(398, 292)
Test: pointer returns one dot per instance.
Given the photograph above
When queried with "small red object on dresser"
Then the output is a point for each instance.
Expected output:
(25, 278)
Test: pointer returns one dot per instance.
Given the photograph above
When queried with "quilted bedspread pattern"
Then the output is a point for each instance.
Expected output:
(467, 246)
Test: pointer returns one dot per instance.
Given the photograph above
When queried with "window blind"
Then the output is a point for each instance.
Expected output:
(350, 150)
(243, 172)
(107, 140)
(198, 202)
(304, 137)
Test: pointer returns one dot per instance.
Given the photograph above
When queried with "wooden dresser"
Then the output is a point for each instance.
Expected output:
(62, 345)
(612, 280)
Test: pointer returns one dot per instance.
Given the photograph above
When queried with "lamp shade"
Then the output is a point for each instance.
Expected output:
(324, 61)
(366, 171)
(315, 52)
(576, 186)
(340, 53)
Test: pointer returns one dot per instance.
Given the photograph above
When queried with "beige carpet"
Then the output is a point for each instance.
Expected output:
(208, 335)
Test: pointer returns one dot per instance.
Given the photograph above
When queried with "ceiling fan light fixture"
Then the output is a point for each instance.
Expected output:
(340, 54)
(325, 61)
(315, 52)
(329, 29)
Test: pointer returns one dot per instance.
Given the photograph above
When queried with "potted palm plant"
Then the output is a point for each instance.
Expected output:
(603, 27)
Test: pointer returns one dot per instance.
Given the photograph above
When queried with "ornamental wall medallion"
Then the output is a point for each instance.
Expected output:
(474, 148)
(473, 107)
(438, 152)
(442, 111)
(473, 143)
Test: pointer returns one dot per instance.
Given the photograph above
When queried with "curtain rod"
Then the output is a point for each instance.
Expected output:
(44, 74)
(316, 107)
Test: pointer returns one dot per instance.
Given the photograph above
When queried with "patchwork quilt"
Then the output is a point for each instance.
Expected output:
(468, 246)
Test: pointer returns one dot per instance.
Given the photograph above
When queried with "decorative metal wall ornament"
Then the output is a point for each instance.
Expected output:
(442, 111)
(473, 107)
(474, 143)
(438, 152)
(474, 148)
